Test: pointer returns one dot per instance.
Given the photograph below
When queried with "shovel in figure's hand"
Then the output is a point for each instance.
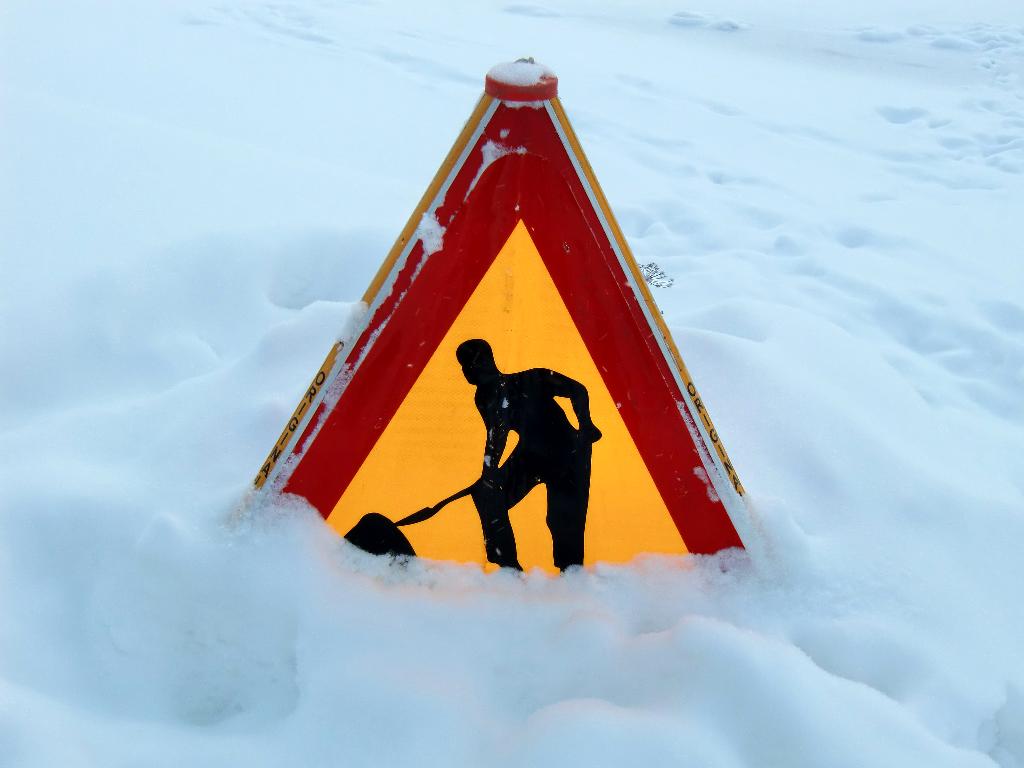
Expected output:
(378, 535)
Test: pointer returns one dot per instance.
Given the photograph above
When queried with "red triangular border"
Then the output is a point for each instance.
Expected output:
(534, 181)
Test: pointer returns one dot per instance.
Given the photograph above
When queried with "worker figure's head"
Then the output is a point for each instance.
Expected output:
(477, 361)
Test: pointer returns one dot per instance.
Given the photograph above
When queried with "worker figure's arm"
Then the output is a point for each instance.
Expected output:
(563, 386)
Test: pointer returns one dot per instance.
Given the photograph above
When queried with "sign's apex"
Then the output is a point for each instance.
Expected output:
(521, 80)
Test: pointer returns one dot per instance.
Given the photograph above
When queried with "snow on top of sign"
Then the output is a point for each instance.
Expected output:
(431, 232)
(492, 151)
(521, 72)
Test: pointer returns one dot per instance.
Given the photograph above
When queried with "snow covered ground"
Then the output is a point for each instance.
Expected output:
(193, 195)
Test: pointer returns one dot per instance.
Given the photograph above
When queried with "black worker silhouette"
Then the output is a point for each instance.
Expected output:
(550, 451)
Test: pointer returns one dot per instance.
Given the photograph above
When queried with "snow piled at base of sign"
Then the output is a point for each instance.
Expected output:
(191, 213)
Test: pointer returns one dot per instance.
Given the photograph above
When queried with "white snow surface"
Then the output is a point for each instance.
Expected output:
(431, 233)
(195, 194)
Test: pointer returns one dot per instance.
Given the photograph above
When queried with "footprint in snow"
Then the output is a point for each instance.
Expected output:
(535, 11)
(283, 21)
(901, 115)
(876, 35)
(692, 20)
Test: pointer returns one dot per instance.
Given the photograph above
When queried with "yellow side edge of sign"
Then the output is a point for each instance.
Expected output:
(281, 446)
(638, 278)
(428, 197)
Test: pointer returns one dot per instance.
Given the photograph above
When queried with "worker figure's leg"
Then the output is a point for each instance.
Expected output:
(568, 497)
(510, 484)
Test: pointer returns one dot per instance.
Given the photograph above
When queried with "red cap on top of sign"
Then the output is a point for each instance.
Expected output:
(510, 341)
(521, 80)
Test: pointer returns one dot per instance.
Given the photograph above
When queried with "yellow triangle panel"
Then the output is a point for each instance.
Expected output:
(434, 444)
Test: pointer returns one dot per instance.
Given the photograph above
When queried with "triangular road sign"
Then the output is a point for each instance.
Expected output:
(511, 350)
